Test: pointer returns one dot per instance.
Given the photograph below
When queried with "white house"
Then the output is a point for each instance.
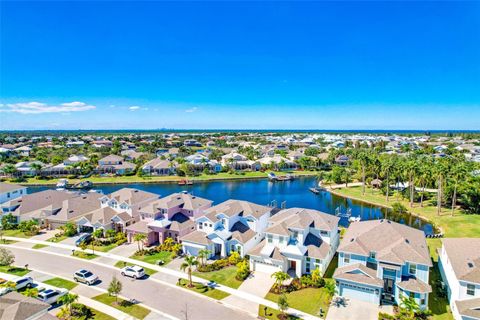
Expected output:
(459, 264)
(297, 241)
(10, 191)
(233, 225)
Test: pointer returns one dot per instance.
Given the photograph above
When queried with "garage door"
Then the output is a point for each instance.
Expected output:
(266, 268)
(358, 293)
(193, 251)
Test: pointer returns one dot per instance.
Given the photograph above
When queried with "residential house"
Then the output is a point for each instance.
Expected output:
(10, 191)
(169, 217)
(233, 225)
(16, 306)
(102, 144)
(200, 162)
(381, 261)
(342, 160)
(75, 144)
(115, 164)
(459, 264)
(278, 162)
(73, 159)
(159, 167)
(297, 241)
(237, 161)
(26, 168)
(191, 143)
(23, 151)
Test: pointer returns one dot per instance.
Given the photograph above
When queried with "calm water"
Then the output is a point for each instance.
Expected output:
(291, 193)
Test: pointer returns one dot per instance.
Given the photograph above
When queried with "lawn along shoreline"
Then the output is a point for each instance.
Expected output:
(257, 175)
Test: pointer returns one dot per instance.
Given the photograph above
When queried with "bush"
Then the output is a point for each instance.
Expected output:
(243, 270)
(69, 229)
(9, 222)
(6, 257)
(234, 258)
(29, 227)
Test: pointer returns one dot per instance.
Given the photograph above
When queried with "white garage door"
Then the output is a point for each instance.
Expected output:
(358, 293)
(193, 251)
(266, 268)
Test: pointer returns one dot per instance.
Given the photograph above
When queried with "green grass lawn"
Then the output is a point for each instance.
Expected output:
(15, 233)
(205, 290)
(271, 313)
(57, 239)
(105, 248)
(84, 255)
(162, 255)
(97, 315)
(458, 225)
(148, 272)
(5, 241)
(39, 246)
(61, 283)
(17, 271)
(308, 300)
(225, 276)
(123, 305)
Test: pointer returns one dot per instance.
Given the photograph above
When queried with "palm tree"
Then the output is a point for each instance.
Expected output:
(68, 300)
(388, 165)
(10, 170)
(203, 254)
(280, 277)
(316, 275)
(168, 242)
(36, 167)
(282, 304)
(459, 172)
(139, 238)
(440, 169)
(31, 292)
(190, 261)
(364, 159)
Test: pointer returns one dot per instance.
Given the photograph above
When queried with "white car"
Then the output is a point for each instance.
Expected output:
(20, 283)
(51, 296)
(133, 271)
(85, 276)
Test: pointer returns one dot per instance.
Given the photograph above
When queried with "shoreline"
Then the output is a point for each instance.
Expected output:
(152, 180)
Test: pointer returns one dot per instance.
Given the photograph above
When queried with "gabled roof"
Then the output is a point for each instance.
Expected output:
(184, 200)
(180, 222)
(241, 232)
(300, 218)
(132, 197)
(9, 187)
(414, 285)
(469, 308)
(16, 306)
(464, 256)
(392, 242)
(234, 207)
(358, 273)
(196, 237)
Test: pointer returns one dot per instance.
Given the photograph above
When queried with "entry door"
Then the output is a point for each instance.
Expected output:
(293, 265)
(388, 286)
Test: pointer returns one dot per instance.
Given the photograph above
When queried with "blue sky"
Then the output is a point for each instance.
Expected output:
(250, 65)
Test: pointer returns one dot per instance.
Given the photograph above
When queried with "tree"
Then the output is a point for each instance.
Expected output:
(188, 264)
(203, 255)
(7, 258)
(36, 167)
(97, 234)
(68, 300)
(139, 238)
(316, 275)
(280, 277)
(459, 173)
(282, 304)
(364, 159)
(31, 292)
(388, 165)
(115, 288)
(10, 170)
(409, 305)
(330, 288)
(9, 284)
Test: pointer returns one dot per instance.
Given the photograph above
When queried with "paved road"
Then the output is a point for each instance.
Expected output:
(156, 295)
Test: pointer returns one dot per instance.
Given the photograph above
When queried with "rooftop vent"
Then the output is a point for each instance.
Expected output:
(351, 240)
(470, 265)
(407, 241)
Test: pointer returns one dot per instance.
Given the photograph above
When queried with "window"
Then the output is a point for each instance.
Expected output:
(308, 259)
(317, 260)
(422, 301)
(372, 254)
(471, 289)
(295, 235)
(281, 239)
(324, 233)
(200, 226)
(412, 294)
(346, 258)
(269, 238)
(232, 247)
(307, 269)
(412, 268)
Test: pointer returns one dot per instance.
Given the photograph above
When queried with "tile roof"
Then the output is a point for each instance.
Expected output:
(392, 242)
(8, 187)
(184, 200)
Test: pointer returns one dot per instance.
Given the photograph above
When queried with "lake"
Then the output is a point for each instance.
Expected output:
(288, 193)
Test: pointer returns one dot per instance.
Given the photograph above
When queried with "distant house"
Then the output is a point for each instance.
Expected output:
(131, 154)
(23, 151)
(159, 167)
(10, 191)
(25, 167)
(233, 225)
(459, 264)
(102, 144)
(74, 144)
(191, 143)
(278, 162)
(381, 261)
(75, 159)
(342, 160)
(297, 241)
(237, 161)
(200, 162)
(115, 164)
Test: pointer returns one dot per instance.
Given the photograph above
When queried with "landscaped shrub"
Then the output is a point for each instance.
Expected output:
(9, 222)
(234, 258)
(30, 227)
(243, 270)
(69, 229)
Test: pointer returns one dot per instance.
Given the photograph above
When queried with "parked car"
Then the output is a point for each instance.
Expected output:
(20, 283)
(86, 237)
(51, 296)
(133, 271)
(85, 276)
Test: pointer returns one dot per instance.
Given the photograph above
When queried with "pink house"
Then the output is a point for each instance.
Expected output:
(169, 217)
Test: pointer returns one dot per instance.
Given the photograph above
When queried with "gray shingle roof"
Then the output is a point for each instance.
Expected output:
(464, 256)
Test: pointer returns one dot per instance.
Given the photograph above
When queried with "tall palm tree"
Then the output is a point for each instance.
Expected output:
(459, 173)
(203, 255)
(387, 166)
(440, 170)
(188, 264)
(364, 159)
(139, 238)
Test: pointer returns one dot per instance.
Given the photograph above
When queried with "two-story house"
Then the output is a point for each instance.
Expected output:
(233, 225)
(297, 241)
(114, 164)
(381, 261)
(10, 191)
(459, 264)
(168, 217)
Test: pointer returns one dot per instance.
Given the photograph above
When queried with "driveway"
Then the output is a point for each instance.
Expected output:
(258, 283)
(353, 310)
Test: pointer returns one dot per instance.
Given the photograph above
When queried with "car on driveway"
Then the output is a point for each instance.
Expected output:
(85, 276)
(86, 237)
(20, 283)
(51, 296)
(133, 271)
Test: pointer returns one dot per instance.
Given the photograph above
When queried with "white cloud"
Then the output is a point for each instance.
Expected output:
(134, 108)
(38, 107)
(191, 110)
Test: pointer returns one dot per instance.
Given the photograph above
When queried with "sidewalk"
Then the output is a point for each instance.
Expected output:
(169, 272)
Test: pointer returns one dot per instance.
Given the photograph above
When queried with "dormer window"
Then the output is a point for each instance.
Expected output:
(346, 258)
(280, 239)
(295, 235)
(373, 254)
(269, 238)
(471, 289)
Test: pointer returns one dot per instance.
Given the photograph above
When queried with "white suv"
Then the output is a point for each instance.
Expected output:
(20, 283)
(133, 271)
(85, 276)
(51, 296)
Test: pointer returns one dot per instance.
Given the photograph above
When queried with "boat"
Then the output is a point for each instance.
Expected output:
(185, 182)
(272, 176)
(83, 185)
(354, 219)
(62, 184)
(315, 190)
